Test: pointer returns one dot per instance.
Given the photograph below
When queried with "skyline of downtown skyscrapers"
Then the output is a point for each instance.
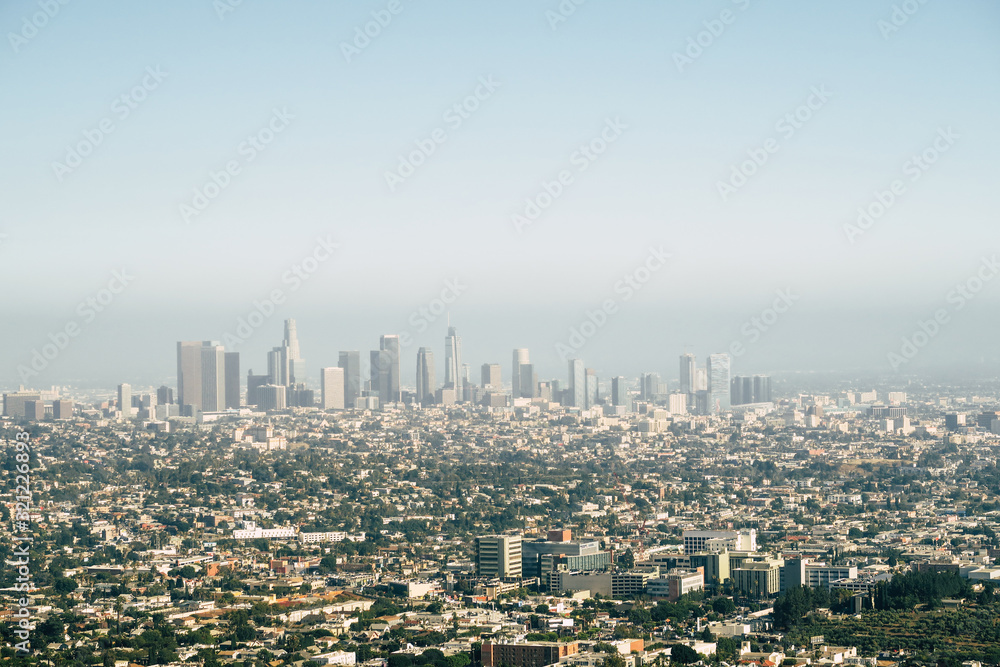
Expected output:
(209, 381)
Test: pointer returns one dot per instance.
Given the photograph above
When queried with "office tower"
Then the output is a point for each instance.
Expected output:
(254, 383)
(213, 378)
(375, 371)
(539, 557)
(273, 397)
(296, 364)
(425, 376)
(34, 410)
(750, 389)
(718, 383)
(896, 397)
(62, 409)
(125, 400)
(592, 388)
(761, 389)
(189, 373)
(528, 381)
(351, 363)
(491, 377)
(649, 386)
(577, 384)
(620, 395)
(466, 381)
(164, 395)
(701, 380)
(741, 391)
(689, 373)
(498, 556)
(696, 541)
(388, 383)
(300, 397)
(701, 402)
(453, 364)
(445, 396)
(232, 366)
(278, 367)
(618, 390)
(677, 403)
(201, 375)
(520, 358)
(331, 387)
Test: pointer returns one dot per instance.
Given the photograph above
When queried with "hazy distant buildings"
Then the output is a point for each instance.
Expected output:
(718, 383)
(385, 370)
(650, 387)
(491, 379)
(232, 384)
(254, 383)
(34, 410)
(750, 389)
(689, 374)
(62, 409)
(520, 358)
(125, 400)
(164, 395)
(529, 381)
(279, 369)
(620, 395)
(14, 402)
(351, 363)
(331, 387)
(286, 368)
(273, 397)
(425, 376)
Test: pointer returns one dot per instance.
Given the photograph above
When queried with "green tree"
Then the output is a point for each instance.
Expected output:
(683, 654)
(614, 659)
(724, 606)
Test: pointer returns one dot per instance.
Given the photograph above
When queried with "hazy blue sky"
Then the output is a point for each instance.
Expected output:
(887, 92)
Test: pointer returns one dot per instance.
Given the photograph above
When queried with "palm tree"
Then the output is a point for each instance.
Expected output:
(119, 606)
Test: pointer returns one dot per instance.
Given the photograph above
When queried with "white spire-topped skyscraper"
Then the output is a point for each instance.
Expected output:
(296, 364)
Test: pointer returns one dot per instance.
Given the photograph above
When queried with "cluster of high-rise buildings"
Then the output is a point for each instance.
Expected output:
(209, 381)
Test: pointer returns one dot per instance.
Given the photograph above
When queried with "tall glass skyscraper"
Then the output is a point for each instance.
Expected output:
(577, 384)
(718, 383)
